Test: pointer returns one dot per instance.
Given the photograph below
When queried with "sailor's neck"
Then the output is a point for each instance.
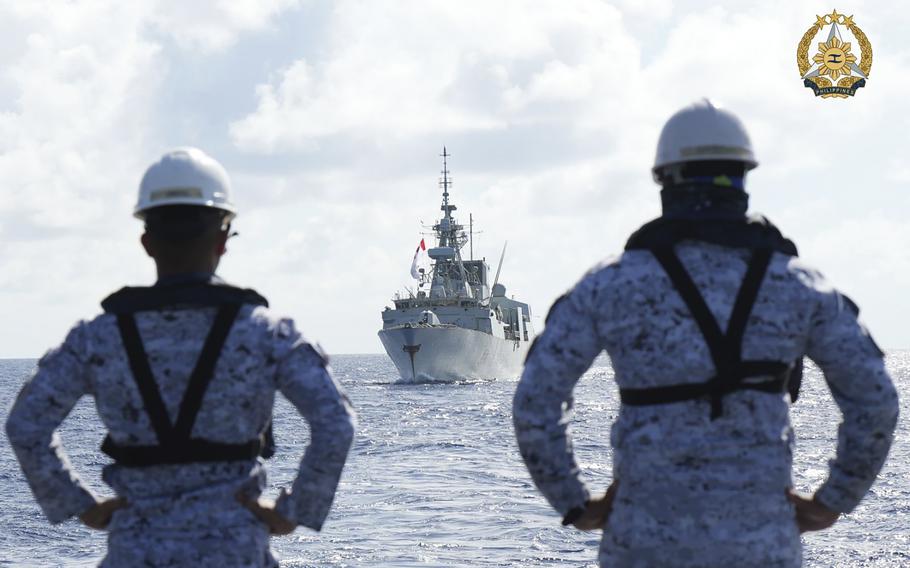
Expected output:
(197, 277)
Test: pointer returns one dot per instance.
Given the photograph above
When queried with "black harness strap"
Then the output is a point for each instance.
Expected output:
(175, 444)
(204, 371)
(696, 304)
(725, 348)
(189, 451)
(142, 374)
(745, 300)
(679, 393)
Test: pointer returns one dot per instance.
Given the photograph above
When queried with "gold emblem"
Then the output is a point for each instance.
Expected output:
(835, 70)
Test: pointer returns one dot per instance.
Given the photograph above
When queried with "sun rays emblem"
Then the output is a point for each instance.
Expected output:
(834, 58)
(835, 70)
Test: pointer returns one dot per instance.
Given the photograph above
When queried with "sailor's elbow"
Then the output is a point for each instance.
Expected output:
(349, 429)
(529, 374)
(344, 428)
(18, 431)
(886, 401)
(893, 409)
(11, 430)
(520, 402)
(876, 416)
(528, 392)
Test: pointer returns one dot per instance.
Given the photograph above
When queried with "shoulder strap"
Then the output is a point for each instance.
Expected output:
(204, 370)
(198, 383)
(725, 348)
(745, 299)
(693, 299)
(142, 374)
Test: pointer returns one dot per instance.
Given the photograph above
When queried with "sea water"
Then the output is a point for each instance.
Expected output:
(435, 479)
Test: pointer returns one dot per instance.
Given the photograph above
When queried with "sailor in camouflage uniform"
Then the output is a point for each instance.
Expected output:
(706, 317)
(184, 375)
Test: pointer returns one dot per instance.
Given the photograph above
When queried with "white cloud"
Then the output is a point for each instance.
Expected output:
(413, 68)
(650, 9)
(331, 120)
(381, 82)
(82, 82)
(82, 85)
(214, 25)
(78, 84)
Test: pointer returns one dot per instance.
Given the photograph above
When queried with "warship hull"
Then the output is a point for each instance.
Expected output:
(450, 353)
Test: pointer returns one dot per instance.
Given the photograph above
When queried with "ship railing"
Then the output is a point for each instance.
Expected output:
(420, 324)
(434, 302)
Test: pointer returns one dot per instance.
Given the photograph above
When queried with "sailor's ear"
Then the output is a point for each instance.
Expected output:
(221, 242)
(147, 244)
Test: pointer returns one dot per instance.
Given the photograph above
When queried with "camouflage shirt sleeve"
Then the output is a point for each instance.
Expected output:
(42, 405)
(306, 381)
(543, 400)
(854, 369)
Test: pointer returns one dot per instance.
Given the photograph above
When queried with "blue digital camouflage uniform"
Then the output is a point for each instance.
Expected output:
(692, 491)
(185, 515)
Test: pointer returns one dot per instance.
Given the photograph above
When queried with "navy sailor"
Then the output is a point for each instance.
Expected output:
(184, 374)
(706, 318)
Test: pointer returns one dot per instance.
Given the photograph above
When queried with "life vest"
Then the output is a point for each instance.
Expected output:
(176, 445)
(763, 239)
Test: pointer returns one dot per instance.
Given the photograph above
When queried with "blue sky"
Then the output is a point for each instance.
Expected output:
(330, 117)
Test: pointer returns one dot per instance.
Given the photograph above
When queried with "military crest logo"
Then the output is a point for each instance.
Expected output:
(843, 59)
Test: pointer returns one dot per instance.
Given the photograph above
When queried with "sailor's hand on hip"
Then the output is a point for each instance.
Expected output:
(264, 509)
(810, 514)
(98, 516)
(598, 511)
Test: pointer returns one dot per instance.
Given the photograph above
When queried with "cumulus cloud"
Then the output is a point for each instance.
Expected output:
(214, 25)
(81, 86)
(78, 87)
(554, 112)
(72, 121)
(412, 68)
(330, 123)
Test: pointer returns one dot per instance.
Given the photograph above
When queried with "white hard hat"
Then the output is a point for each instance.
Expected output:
(702, 131)
(185, 176)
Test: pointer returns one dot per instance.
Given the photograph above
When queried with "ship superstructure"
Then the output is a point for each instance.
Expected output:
(457, 325)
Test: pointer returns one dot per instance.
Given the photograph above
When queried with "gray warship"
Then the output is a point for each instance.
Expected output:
(457, 325)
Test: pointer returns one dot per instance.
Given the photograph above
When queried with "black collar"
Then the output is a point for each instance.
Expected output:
(185, 294)
(736, 232)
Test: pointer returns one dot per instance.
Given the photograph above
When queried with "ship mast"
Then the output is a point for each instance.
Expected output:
(450, 236)
(445, 183)
(471, 233)
(447, 228)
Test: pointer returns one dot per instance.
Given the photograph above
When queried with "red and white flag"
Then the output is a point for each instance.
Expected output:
(421, 260)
